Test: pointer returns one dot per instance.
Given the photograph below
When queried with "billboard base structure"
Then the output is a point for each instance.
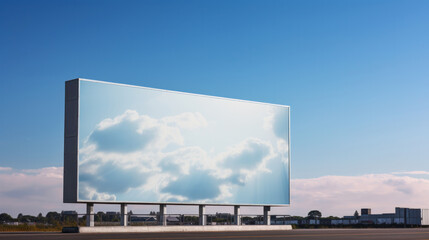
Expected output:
(237, 218)
(90, 214)
(267, 219)
(224, 228)
(163, 213)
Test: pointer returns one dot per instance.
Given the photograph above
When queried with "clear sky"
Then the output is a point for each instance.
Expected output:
(355, 73)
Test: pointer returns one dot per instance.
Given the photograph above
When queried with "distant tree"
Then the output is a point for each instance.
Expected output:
(53, 217)
(100, 216)
(19, 217)
(314, 214)
(27, 218)
(40, 218)
(4, 217)
(116, 218)
(356, 214)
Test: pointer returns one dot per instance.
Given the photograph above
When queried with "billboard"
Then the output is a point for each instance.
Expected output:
(129, 144)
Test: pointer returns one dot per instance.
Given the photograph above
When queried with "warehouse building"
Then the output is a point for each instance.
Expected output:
(401, 216)
(407, 216)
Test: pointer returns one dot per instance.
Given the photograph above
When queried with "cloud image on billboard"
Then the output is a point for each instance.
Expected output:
(150, 146)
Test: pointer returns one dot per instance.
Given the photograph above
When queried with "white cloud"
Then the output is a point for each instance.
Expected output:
(49, 172)
(412, 173)
(130, 115)
(5, 168)
(283, 148)
(134, 145)
(139, 148)
(183, 159)
(342, 195)
(247, 155)
(186, 120)
(277, 121)
(92, 194)
(131, 132)
(244, 160)
(32, 191)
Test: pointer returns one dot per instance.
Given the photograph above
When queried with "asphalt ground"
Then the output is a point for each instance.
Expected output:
(300, 234)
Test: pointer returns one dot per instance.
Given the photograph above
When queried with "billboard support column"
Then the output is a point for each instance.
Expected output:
(90, 214)
(162, 213)
(267, 217)
(124, 215)
(237, 218)
(202, 213)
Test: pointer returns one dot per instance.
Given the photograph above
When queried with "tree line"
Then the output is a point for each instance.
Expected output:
(50, 218)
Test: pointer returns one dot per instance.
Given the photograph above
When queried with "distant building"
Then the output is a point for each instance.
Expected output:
(70, 212)
(223, 215)
(365, 211)
(401, 216)
(68, 215)
(142, 219)
(407, 216)
(112, 213)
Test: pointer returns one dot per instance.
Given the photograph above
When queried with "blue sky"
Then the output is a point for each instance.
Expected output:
(355, 73)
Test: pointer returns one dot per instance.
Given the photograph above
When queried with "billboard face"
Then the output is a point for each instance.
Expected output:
(153, 146)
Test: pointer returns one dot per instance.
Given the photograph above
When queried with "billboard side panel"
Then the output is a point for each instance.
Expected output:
(71, 141)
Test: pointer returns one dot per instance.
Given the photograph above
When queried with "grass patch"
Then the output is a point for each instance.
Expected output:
(29, 228)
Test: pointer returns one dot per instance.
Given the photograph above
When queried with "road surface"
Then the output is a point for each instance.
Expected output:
(300, 234)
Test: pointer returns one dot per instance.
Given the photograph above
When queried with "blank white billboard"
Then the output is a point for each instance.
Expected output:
(132, 144)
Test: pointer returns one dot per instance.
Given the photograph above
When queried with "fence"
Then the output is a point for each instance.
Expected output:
(114, 219)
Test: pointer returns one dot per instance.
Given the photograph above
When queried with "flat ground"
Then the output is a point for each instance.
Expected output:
(301, 234)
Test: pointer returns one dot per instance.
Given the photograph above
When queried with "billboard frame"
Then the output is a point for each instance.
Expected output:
(71, 145)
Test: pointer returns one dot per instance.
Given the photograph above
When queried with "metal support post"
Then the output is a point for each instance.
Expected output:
(267, 217)
(237, 218)
(124, 215)
(90, 214)
(162, 213)
(202, 213)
